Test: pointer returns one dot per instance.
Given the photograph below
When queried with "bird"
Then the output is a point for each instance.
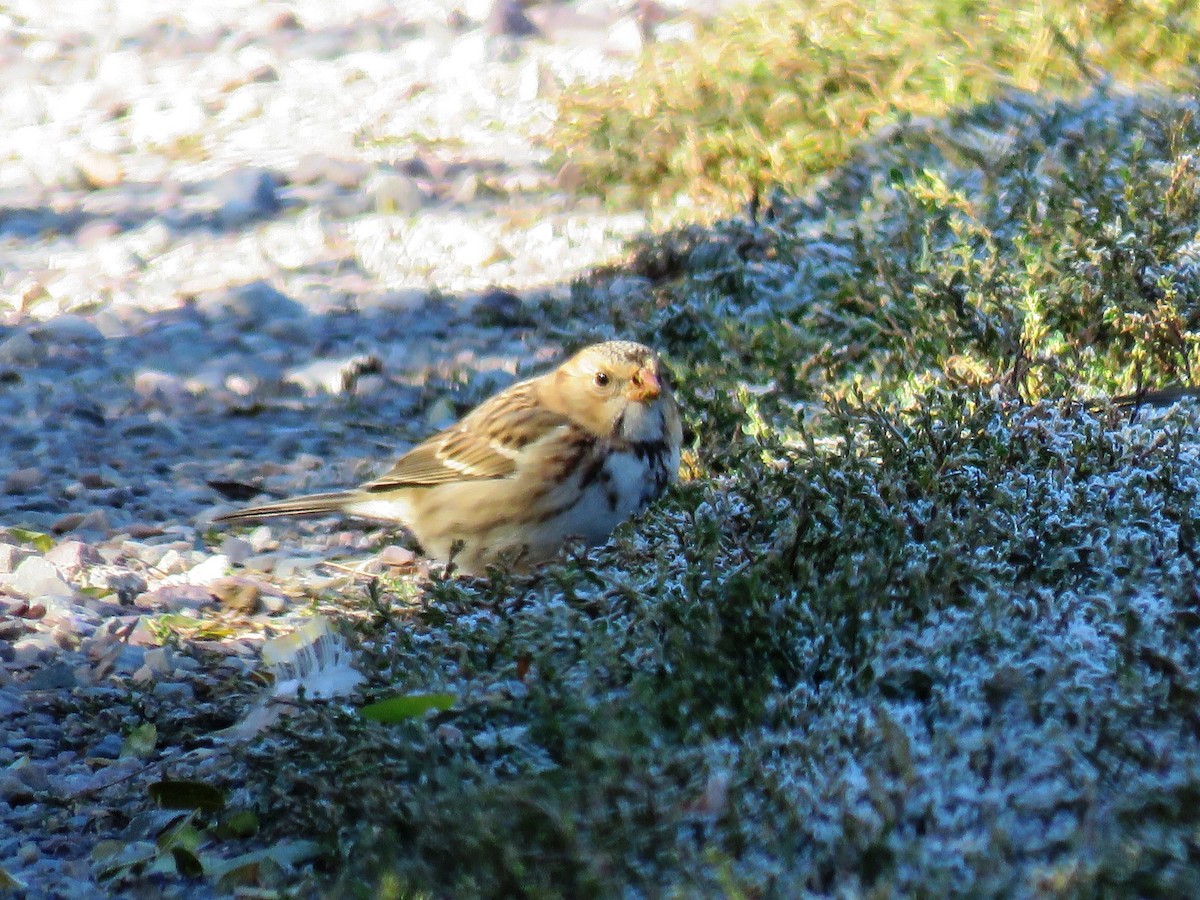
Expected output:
(571, 453)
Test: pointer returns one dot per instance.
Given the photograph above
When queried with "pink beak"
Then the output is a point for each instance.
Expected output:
(644, 386)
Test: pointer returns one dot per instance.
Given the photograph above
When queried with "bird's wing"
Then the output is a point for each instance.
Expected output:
(486, 444)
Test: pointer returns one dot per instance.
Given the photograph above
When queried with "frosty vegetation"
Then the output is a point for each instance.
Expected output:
(923, 620)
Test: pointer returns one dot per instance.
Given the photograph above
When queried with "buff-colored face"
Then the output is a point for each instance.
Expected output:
(618, 388)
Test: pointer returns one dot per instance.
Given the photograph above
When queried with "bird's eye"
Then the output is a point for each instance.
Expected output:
(602, 379)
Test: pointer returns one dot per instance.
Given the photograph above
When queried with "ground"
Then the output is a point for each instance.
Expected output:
(918, 618)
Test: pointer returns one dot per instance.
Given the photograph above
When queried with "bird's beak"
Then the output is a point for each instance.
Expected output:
(644, 386)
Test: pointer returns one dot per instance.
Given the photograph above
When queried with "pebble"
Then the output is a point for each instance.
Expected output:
(245, 195)
(22, 481)
(19, 349)
(109, 747)
(394, 194)
(38, 577)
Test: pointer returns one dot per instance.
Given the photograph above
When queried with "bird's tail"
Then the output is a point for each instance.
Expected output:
(309, 505)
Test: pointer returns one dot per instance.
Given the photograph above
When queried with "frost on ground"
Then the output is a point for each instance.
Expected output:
(918, 621)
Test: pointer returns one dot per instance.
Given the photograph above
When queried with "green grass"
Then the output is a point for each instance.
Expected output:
(923, 621)
(781, 92)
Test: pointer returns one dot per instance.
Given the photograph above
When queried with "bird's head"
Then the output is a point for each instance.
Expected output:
(617, 389)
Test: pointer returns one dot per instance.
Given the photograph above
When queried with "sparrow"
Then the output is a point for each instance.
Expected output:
(568, 454)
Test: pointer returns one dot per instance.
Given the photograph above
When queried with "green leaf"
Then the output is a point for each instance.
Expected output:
(9, 882)
(140, 742)
(171, 794)
(42, 542)
(247, 868)
(241, 824)
(186, 862)
(406, 706)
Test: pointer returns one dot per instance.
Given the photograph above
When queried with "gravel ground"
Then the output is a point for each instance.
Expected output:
(240, 244)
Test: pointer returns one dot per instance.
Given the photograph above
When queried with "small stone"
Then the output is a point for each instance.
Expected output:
(274, 604)
(507, 18)
(316, 167)
(19, 349)
(209, 571)
(160, 660)
(236, 550)
(99, 170)
(625, 37)
(15, 792)
(569, 178)
(257, 301)
(400, 557)
(246, 194)
(262, 540)
(262, 562)
(109, 747)
(128, 659)
(466, 189)
(292, 565)
(69, 522)
(394, 194)
(54, 677)
(33, 649)
(176, 597)
(35, 577)
(174, 690)
(73, 555)
(499, 308)
(139, 530)
(93, 523)
(476, 248)
(171, 562)
(22, 481)
(167, 390)
(69, 329)
(334, 376)
(240, 594)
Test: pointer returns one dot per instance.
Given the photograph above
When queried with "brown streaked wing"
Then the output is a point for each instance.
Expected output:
(484, 445)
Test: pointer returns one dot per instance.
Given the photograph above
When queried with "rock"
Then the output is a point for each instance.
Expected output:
(33, 649)
(15, 792)
(19, 349)
(177, 691)
(257, 301)
(334, 376)
(210, 570)
(73, 555)
(169, 391)
(69, 329)
(99, 170)
(175, 597)
(626, 37)
(53, 677)
(477, 248)
(507, 18)
(500, 309)
(236, 550)
(109, 747)
(569, 178)
(316, 167)
(394, 194)
(237, 593)
(36, 577)
(246, 194)
(11, 556)
(22, 481)
(273, 604)
(94, 523)
(400, 557)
